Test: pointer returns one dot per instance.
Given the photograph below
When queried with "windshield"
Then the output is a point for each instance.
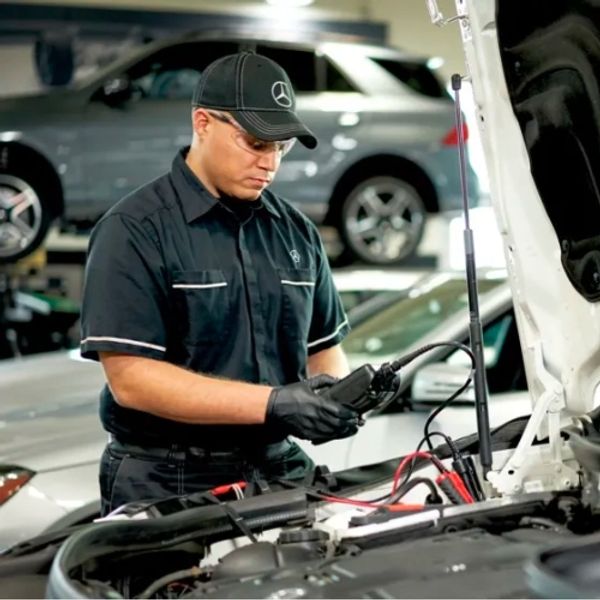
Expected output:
(417, 76)
(399, 326)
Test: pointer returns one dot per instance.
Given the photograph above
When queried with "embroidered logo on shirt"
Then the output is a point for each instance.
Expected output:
(295, 256)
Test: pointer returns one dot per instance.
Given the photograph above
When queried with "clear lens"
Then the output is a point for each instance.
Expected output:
(251, 144)
(12, 479)
(260, 147)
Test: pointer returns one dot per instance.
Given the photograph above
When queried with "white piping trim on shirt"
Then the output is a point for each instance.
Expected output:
(288, 282)
(104, 338)
(198, 286)
(338, 329)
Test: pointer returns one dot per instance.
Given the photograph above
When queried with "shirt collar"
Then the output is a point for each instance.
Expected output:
(267, 201)
(195, 199)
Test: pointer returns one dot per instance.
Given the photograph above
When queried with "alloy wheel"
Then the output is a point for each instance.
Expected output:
(21, 216)
(383, 220)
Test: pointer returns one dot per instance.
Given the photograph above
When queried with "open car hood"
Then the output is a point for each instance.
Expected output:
(534, 70)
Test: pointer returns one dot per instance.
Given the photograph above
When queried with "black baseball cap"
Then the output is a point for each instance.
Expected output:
(258, 94)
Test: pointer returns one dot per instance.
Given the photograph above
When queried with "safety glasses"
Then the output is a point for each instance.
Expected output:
(249, 143)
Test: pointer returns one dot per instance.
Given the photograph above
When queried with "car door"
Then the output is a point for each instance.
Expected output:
(306, 177)
(132, 142)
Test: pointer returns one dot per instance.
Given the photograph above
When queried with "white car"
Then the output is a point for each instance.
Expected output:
(356, 286)
(52, 439)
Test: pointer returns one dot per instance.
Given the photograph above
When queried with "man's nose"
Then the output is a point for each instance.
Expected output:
(270, 160)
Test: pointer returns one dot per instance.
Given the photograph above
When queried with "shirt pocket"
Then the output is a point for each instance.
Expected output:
(202, 301)
(297, 297)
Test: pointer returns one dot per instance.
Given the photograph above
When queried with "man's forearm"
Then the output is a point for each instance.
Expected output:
(168, 391)
(331, 361)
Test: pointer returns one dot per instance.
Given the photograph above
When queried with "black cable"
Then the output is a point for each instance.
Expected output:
(321, 495)
(427, 434)
(412, 483)
(401, 362)
(411, 466)
(442, 406)
(381, 498)
(310, 491)
(405, 360)
(449, 441)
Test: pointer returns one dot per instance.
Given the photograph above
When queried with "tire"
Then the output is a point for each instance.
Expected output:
(24, 216)
(382, 220)
(54, 60)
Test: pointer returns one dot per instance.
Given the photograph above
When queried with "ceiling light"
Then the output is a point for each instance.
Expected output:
(435, 62)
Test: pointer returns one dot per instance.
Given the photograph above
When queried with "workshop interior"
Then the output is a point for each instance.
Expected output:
(410, 301)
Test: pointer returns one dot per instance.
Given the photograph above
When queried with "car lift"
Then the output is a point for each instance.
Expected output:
(24, 312)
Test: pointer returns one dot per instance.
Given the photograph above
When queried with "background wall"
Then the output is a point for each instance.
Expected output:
(410, 28)
(17, 70)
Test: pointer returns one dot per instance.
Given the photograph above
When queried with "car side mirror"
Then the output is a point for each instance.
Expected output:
(117, 91)
(436, 382)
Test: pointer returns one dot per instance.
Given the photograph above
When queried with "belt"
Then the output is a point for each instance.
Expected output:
(184, 451)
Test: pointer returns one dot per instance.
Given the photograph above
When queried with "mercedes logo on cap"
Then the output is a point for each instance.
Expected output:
(281, 94)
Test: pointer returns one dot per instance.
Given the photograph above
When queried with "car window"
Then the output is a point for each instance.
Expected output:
(417, 76)
(172, 84)
(172, 73)
(335, 81)
(353, 299)
(300, 65)
(391, 331)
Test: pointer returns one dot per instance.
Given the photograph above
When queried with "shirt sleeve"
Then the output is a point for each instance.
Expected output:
(329, 325)
(125, 293)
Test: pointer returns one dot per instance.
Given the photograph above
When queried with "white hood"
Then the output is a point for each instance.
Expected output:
(530, 90)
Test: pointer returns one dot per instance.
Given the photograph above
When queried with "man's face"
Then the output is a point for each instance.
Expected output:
(234, 162)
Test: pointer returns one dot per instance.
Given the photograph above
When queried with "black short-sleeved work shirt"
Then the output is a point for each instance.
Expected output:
(174, 274)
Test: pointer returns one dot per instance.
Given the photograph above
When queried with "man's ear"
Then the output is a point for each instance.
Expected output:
(200, 121)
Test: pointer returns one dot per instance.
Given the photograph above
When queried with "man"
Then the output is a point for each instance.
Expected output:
(209, 300)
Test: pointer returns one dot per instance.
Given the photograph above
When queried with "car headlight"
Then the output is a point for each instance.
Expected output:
(12, 479)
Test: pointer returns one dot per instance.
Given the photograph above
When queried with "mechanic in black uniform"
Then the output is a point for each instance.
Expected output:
(210, 303)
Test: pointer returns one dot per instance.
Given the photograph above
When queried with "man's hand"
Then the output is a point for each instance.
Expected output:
(298, 410)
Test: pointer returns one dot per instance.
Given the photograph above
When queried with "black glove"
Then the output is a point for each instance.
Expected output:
(298, 410)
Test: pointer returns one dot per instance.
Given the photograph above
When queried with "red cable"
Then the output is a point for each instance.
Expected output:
(460, 487)
(394, 507)
(367, 504)
(436, 461)
(223, 489)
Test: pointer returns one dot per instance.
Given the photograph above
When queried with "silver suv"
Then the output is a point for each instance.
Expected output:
(386, 155)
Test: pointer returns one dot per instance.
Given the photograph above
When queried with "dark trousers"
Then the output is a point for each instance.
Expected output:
(133, 473)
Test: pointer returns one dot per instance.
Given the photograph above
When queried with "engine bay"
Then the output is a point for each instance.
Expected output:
(449, 551)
